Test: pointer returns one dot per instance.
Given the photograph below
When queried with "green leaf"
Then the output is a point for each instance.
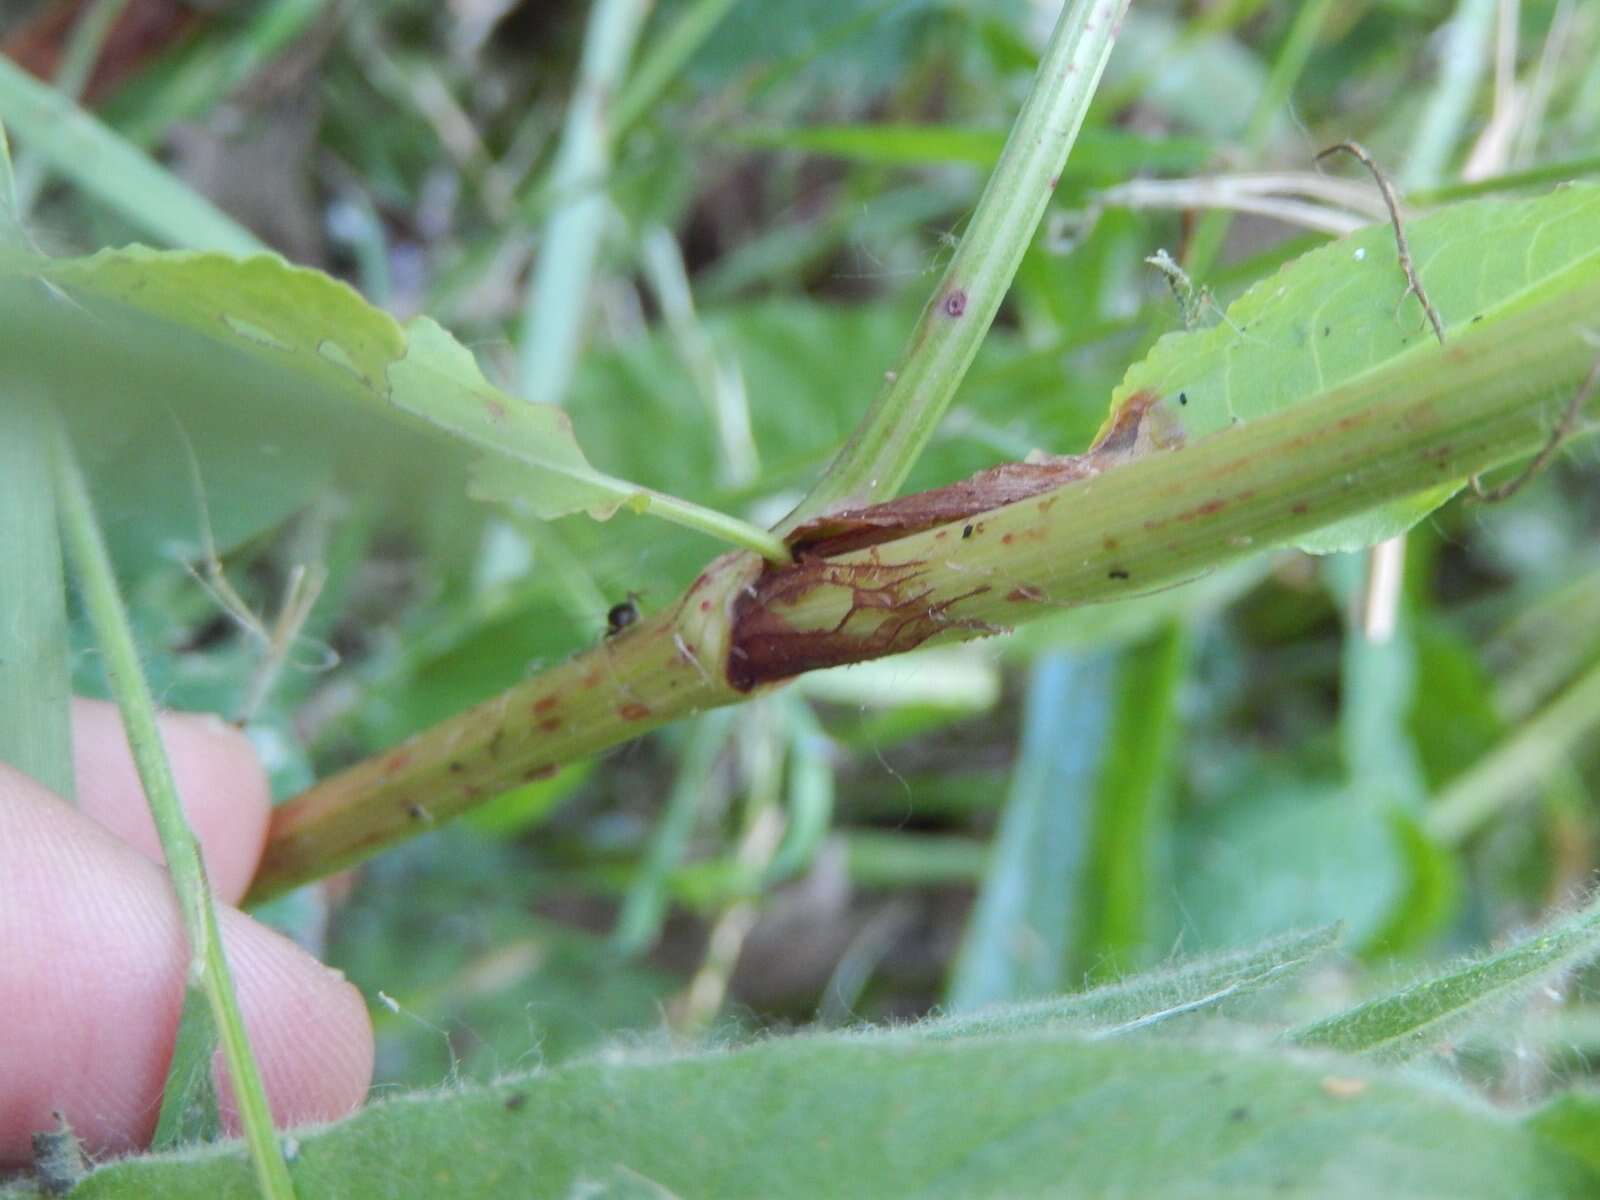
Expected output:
(189, 1110)
(273, 376)
(1572, 1122)
(1286, 855)
(900, 1117)
(1340, 311)
(533, 457)
(1151, 997)
(1416, 1018)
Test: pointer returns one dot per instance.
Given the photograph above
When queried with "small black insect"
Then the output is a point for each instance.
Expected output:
(621, 616)
(966, 533)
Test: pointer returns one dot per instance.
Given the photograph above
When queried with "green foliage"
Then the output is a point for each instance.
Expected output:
(1341, 310)
(1424, 1015)
(1018, 1103)
(1198, 986)
(1239, 761)
(350, 366)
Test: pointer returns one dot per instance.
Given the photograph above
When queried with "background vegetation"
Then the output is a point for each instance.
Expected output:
(1270, 748)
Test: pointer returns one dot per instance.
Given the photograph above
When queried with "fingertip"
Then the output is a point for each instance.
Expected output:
(219, 778)
(308, 1027)
(95, 962)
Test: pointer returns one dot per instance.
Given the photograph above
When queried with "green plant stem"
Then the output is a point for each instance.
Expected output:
(552, 327)
(720, 525)
(667, 666)
(35, 683)
(1434, 413)
(1515, 769)
(97, 582)
(881, 452)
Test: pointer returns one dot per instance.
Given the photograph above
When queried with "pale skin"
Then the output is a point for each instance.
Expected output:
(92, 956)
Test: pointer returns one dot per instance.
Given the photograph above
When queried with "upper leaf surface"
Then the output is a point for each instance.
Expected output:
(1340, 311)
(885, 1117)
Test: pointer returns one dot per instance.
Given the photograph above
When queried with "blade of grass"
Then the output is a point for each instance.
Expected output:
(35, 684)
(83, 50)
(212, 68)
(105, 165)
(1427, 1014)
(1377, 681)
(645, 905)
(666, 58)
(209, 966)
(1152, 996)
(1548, 173)
(558, 299)
(1511, 771)
(882, 450)
(1130, 820)
(810, 791)
(1201, 252)
(1464, 48)
(1016, 942)
(35, 664)
(716, 378)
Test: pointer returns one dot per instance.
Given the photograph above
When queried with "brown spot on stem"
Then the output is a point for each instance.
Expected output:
(548, 704)
(1138, 426)
(1026, 593)
(955, 302)
(1299, 508)
(634, 711)
(890, 611)
(550, 724)
(534, 774)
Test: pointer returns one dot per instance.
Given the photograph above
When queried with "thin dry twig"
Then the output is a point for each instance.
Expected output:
(1413, 284)
(1564, 427)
